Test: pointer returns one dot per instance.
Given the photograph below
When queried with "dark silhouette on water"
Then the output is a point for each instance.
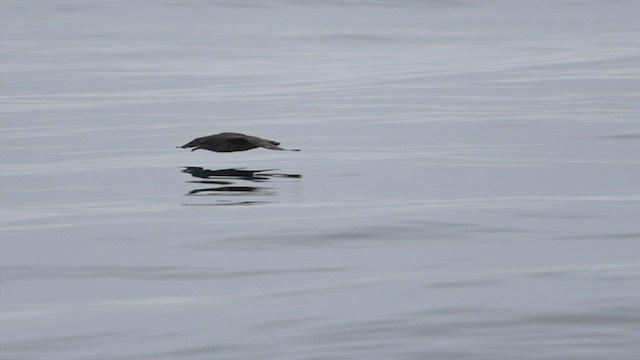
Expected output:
(240, 173)
(229, 142)
(227, 187)
(203, 173)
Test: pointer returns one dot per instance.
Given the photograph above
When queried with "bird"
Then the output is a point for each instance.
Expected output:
(230, 142)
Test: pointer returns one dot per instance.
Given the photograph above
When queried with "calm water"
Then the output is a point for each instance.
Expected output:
(469, 185)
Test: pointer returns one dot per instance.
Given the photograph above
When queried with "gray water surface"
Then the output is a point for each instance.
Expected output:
(469, 185)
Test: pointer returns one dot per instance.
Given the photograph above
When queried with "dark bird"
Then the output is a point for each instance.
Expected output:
(229, 142)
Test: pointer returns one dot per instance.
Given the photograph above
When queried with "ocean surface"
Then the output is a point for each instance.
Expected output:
(468, 185)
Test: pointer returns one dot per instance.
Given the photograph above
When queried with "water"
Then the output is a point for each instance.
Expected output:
(468, 186)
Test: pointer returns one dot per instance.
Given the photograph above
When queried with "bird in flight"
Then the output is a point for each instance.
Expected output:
(229, 142)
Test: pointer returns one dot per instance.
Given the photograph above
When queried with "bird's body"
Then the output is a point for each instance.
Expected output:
(229, 142)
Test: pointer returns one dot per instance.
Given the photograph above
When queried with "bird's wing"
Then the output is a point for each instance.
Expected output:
(254, 140)
(233, 136)
(268, 144)
(238, 138)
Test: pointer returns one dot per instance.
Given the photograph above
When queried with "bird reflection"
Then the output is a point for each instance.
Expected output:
(230, 183)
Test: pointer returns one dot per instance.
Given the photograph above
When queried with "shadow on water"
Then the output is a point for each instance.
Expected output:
(232, 183)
